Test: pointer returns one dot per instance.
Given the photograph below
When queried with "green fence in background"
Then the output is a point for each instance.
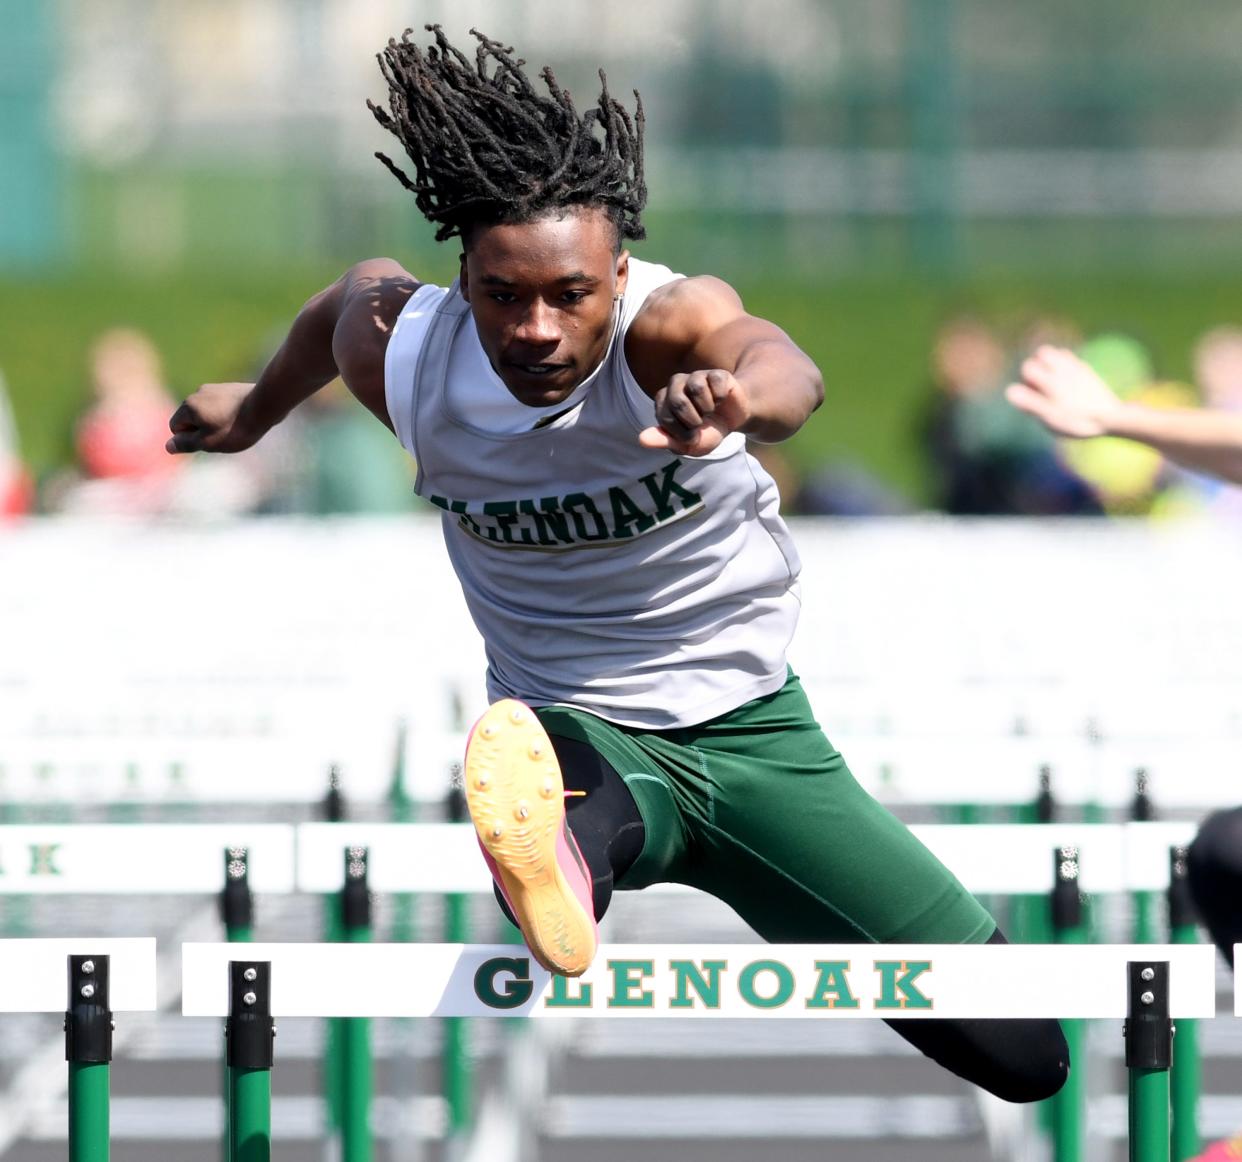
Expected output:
(933, 135)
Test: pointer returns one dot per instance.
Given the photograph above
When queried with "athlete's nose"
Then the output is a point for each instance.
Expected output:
(538, 326)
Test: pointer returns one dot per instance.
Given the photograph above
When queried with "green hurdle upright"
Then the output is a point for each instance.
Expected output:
(1186, 1075)
(237, 915)
(1069, 927)
(250, 1033)
(1149, 1053)
(355, 1079)
(455, 1057)
(333, 808)
(1142, 810)
(88, 1049)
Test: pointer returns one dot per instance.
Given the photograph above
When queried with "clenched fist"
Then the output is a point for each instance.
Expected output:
(215, 419)
(695, 412)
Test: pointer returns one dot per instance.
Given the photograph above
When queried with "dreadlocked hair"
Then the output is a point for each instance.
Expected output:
(488, 148)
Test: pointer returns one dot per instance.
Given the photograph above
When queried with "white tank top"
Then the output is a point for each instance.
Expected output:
(650, 589)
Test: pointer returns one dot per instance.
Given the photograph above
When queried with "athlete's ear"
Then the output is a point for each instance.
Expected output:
(464, 278)
(623, 271)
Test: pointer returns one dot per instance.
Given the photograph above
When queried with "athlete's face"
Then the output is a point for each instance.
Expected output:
(542, 297)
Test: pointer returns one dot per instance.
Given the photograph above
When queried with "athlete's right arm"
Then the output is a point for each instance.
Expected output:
(342, 331)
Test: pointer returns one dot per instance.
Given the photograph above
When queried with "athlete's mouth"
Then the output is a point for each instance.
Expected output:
(539, 370)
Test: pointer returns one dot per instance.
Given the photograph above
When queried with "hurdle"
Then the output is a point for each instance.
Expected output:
(1027, 861)
(106, 975)
(1147, 986)
(442, 858)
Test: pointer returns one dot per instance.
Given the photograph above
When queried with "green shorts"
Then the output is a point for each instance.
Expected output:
(757, 808)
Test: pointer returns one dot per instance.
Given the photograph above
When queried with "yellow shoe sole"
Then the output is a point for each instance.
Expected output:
(517, 803)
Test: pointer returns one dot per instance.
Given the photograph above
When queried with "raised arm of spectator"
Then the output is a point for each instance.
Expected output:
(1070, 399)
(342, 331)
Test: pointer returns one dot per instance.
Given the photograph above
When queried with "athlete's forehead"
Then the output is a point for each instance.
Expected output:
(578, 243)
(495, 278)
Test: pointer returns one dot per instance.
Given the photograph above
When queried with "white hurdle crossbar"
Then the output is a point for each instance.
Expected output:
(997, 858)
(141, 858)
(845, 981)
(32, 972)
(122, 858)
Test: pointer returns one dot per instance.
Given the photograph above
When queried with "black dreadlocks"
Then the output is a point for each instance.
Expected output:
(490, 149)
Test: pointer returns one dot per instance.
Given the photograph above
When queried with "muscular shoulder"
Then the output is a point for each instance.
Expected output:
(676, 318)
(371, 296)
(682, 311)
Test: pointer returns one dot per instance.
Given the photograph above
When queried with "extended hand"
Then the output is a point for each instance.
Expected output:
(215, 419)
(1064, 393)
(695, 412)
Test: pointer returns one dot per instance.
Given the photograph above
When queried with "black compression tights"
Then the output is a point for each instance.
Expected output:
(1215, 870)
(1018, 1060)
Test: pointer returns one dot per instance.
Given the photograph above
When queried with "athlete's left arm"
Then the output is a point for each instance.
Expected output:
(712, 369)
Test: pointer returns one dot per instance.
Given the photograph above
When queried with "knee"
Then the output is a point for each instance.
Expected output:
(1036, 1069)
(1017, 1060)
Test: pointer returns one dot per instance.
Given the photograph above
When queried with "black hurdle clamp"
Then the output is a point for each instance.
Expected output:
(88, 1019)
(250, 1029)
(1142, 809)
(1148, 1029)
(1066, 894)
(334, 800)
(356, 894)
(1045, 804)
(455, 801)
(236, 900)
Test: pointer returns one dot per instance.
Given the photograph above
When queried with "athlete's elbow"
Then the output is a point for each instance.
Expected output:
(816, 392)
(808, 402)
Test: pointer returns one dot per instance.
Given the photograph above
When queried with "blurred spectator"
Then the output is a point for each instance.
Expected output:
(830, 489)
(1130, 479)
(16, 487)
(119, 438)
(986, 459)
(845, 489)
(122, 467)
(347, 463)
(1044, 329)
(1217, 364)
(122, 433)
(1218, 368)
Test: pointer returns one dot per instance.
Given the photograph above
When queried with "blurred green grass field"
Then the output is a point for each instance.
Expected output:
(870, 337)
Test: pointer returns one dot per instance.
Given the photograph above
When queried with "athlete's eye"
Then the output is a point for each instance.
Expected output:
(574, 296)
(502, 297)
